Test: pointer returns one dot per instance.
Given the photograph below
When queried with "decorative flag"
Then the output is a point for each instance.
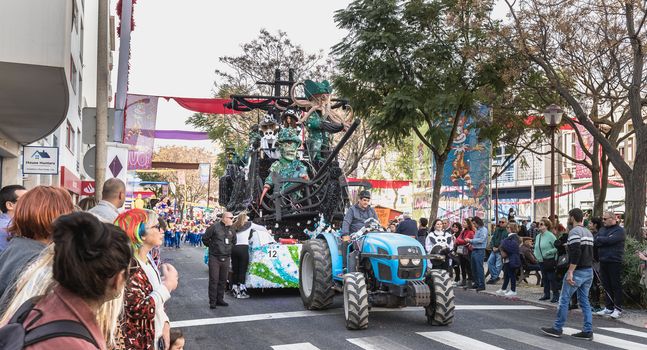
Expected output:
(204, 173)
(141, 114)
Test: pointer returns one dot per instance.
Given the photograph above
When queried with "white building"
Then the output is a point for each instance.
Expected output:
(48, 69)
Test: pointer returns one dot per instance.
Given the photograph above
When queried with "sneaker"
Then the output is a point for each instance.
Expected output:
(596, 309)
(615, 314)
(501, 292)
(583, 335)
(480, 289)
(243, 292)
(511, 293)
(235, 291)
(492, 281)
(604, 312)
(551, 332)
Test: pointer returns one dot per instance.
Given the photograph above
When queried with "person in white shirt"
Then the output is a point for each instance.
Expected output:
(439, 241)
(240, 253)
(113, 197)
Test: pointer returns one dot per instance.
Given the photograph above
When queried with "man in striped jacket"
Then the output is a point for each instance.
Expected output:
(578, 278)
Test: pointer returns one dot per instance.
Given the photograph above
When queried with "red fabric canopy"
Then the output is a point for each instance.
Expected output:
(204, 105)
(395, 184)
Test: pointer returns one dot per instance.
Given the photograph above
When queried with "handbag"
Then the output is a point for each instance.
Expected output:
(562, 261)
(461, 250)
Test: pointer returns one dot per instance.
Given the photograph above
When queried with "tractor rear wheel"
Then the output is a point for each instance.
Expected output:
(355, 301)
(315, 275)
(440, 312)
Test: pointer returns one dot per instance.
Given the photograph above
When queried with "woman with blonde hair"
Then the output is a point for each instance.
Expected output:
(240, 253)
(145, 324)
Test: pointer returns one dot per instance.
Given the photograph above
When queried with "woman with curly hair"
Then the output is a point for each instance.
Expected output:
(145, 324)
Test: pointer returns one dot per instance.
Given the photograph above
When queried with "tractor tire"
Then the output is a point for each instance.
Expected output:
(315, 275)
(355, 301)
(440, 312)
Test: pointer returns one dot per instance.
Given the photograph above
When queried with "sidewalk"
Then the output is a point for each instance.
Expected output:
(530, 293)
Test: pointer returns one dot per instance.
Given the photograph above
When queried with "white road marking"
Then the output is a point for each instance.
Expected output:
(255, 317)
(458, 341)
(611, 341)
(466, 307)
(298, 346)
(531, 339)
(377, 343)
(297, 314)
(626, 331)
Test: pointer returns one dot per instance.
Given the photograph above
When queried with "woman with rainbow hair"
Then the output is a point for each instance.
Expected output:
(145, 324)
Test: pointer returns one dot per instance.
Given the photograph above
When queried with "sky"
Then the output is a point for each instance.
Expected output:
(176, 44)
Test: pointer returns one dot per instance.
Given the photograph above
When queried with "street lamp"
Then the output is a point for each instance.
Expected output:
(552, 116)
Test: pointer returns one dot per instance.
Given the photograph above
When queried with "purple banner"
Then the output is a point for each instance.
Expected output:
(139, 131)
(181, 135)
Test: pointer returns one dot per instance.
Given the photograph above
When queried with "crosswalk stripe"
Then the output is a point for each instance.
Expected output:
(458, 341)
(626, 331)
(611, 341)
(377, 343)
(298, 346)
(296, 314)
(531, 339)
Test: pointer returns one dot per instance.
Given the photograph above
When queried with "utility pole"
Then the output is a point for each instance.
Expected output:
(122, 73)
(102, 99)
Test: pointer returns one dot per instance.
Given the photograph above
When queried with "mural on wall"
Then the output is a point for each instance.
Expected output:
(465, 189)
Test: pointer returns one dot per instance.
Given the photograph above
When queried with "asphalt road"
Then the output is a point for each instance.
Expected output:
(276, 319)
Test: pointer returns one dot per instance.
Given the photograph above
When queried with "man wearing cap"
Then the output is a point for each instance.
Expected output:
(357, 214)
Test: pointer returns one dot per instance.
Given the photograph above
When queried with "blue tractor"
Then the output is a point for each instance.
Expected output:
(375, 268)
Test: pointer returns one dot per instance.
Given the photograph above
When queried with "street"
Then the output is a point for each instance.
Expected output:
(276, 319)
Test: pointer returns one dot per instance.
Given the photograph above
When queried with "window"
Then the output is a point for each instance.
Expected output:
(54, 140)
(69, 135)
(74, 17)
(630, 149)
(73, 74)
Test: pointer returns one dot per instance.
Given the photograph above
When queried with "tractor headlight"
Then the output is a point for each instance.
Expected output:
(416, 262)
(404, 262)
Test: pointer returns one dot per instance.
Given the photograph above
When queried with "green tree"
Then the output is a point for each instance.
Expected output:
(393, 163)
(405, 64)
(592, 54)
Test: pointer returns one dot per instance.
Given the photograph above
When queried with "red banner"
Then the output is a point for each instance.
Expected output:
(205, 105)
(395, 184)
(141, 114)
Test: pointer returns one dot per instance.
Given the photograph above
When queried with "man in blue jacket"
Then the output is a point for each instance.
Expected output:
(407, 226)
(610, 242)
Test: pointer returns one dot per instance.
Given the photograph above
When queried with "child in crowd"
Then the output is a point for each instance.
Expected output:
(177, 340)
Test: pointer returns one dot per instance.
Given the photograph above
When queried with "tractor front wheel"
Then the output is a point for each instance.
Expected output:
(315, 275)
(355, 301)
(440, 311)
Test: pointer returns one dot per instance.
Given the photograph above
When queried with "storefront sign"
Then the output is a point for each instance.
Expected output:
(40, 160)
(70, 181)
(87, 188)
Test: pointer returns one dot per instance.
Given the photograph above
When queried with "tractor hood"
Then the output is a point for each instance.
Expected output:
(388, 243)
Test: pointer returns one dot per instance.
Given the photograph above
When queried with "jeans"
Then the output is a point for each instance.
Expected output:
(494, 265)
(583, 279)
(610, 276)
(548, 278)
(509, 275)
(478, 255)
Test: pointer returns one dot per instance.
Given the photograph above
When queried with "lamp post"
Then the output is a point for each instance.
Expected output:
(552, 116)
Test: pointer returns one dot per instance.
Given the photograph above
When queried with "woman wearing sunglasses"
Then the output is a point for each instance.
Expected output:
(145, 324)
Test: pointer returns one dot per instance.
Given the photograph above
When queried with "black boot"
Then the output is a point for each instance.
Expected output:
(555, 298)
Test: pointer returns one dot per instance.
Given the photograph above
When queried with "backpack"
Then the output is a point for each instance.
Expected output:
(14, 335)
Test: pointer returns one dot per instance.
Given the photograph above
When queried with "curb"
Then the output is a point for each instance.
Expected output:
(628, 321)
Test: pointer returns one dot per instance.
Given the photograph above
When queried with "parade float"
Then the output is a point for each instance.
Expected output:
(288, 178)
